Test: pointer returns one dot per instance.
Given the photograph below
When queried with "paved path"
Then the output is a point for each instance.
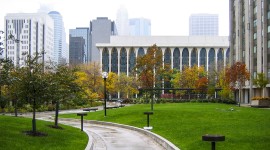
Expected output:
(115, 138)
(107, 137)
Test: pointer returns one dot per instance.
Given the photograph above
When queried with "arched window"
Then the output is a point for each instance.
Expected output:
(176, 58)
(203, 58)
(114, 60)
(185, 58)
(141, 52)
(123, 60)
(194, 57)
(105, 60)
(228, 56)
(220, 58)
(167, 56)
(132, 59)
(211, 59)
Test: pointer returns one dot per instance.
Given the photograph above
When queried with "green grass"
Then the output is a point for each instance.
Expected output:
(184, 124)
(12, 136)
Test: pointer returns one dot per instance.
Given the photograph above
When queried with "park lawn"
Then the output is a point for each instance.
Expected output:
(12, 136)
(184, 124)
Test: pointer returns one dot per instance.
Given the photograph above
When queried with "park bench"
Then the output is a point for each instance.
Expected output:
(112, 107)
(90, 109)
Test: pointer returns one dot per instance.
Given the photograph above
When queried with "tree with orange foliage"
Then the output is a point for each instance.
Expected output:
(150, 68)
(237, 75)
(201, 84)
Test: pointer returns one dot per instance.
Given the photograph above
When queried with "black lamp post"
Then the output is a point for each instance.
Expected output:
(105, 76)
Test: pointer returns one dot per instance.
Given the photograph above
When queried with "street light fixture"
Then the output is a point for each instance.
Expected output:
(105, 76)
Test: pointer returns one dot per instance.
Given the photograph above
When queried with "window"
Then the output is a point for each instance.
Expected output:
(255, 36)
(255, 23)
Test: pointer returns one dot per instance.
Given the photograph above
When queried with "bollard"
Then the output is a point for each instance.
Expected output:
(81, 114)
(213, 139)
(148, 113)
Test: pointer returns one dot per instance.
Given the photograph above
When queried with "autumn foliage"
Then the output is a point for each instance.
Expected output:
(150, 68)
(237, 74)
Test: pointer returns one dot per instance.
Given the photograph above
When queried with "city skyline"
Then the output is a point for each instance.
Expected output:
(169, 18)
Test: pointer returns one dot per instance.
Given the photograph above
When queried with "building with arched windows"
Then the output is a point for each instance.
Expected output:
(119, 56)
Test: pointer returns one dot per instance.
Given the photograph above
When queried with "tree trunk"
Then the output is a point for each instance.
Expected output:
(16, 108)
(240, 95)
(34, 117)
(56, 114)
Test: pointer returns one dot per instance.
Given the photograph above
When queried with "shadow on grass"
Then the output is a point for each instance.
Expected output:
(56, 127)
(35, 134)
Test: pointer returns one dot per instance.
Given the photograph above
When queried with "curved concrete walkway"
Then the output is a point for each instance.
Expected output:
(109, 136)
(114, 138)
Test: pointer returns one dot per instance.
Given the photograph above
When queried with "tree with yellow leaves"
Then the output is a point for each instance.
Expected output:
(89, 77)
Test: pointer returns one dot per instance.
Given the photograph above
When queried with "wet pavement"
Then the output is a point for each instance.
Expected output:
(104, 137)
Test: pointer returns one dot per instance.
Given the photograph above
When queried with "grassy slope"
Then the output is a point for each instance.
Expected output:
(184, 124)
(12, 138)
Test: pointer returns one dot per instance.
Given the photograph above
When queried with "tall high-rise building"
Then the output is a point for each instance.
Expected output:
(250, 42)
(76, 50)
(100, 31)
(203, 24)
(32, 33)
(140, 27)
(84, 33)
(122, 22)
(59, 38)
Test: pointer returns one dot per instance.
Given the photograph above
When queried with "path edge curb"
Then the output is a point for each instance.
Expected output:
(157, 138)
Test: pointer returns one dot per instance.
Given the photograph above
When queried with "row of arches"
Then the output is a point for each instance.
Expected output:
(124, 59)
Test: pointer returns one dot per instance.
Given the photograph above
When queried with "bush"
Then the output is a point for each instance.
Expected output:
(50, 107)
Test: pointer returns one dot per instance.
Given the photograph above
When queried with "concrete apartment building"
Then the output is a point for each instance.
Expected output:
(250, 41)
(34, 33)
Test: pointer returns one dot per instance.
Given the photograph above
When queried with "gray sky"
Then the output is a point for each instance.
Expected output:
(168, 17)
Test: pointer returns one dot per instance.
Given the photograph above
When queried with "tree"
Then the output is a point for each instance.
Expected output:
(127, 85)
(222, 83)
(5, 80)
(150, 69)
(62, 87)
(111, 83)
(31, 85)
(191, 77)
(89, 78)
(261, 81)
(236, 75)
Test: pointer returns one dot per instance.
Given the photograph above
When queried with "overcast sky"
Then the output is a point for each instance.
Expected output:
(168, 17)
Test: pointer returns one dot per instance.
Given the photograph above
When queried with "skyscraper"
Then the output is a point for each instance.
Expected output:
(59, 38)
(122, 22)
(33, 32)
(76, 50)
(250, 42)
(84, 33)
(140, 27)
(203, 24)
(100, 31)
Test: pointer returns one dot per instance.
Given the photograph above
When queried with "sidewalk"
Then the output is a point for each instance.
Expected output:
(105, 137)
